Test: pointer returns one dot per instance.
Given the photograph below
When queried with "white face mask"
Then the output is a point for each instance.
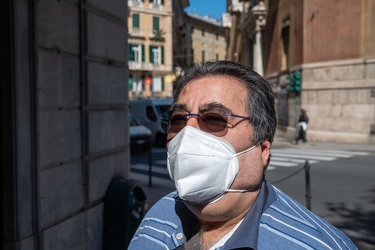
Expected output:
(202, 166)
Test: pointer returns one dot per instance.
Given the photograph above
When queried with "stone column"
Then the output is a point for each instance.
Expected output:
(259, 12)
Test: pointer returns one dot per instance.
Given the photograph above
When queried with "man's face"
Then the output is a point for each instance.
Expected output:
(232, 94)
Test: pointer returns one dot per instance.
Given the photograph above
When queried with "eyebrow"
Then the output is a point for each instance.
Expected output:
(204, 107)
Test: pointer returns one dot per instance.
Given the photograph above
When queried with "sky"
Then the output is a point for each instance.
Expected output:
(213, 8)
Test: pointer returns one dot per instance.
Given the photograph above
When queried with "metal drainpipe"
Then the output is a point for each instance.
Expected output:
(34, 117)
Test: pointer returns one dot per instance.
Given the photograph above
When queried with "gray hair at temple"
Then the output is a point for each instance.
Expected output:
(261, 102)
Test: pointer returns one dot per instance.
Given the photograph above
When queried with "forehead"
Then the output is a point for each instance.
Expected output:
(225, 90)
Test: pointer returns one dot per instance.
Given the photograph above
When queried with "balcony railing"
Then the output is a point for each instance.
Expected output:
(156, 6)
(146, 66)
(135, 3)
(136, 31)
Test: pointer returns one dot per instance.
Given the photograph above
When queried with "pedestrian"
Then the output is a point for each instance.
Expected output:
(220, 130)
(302, 126)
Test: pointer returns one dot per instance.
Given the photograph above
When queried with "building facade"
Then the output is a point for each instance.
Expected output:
(64, 120)
(180, 38)
(150, 48)
(206, 40)
(331, 44)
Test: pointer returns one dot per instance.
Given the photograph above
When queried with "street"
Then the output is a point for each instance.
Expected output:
(342, 185)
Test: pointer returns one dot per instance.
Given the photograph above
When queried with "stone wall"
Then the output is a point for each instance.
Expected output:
(65, 130)
(337, 97)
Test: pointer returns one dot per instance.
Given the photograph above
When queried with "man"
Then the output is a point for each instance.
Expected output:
(220, 129)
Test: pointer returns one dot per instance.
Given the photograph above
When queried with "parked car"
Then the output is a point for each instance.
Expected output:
(148, 112)
(140, 136)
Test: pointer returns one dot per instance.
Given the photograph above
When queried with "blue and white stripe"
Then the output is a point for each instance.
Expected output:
(285, 224)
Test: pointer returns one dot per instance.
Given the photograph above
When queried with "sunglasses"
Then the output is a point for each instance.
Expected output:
(213, 121)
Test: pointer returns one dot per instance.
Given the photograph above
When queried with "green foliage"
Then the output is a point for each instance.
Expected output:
(158, 36)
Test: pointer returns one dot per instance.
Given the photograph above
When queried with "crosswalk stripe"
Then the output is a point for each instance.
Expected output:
(303, 156)
(291, 159)
(282, 164)
(338, 153)
(154, 168)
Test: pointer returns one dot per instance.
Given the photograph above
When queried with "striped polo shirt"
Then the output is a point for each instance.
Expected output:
(275, 221)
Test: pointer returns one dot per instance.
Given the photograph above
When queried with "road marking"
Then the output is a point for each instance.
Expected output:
(292, 157)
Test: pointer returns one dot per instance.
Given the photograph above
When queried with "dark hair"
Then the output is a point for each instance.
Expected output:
(261, 102)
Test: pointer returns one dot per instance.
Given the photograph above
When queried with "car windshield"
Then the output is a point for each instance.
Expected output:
(133, 121)
(162, 108)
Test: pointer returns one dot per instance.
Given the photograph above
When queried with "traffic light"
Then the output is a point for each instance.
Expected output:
(290, 83)
(294, 83)
(297, 81)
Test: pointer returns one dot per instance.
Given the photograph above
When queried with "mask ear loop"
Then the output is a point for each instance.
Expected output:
(226, 190)
(246, 150)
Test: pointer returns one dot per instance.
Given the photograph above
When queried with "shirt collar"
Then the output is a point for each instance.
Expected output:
(246, 235)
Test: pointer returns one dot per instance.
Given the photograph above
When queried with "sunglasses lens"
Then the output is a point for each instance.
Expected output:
(164, 121)
(213, 122)
(176, 123)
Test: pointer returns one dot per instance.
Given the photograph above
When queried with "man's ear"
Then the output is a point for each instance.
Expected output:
(266, 152)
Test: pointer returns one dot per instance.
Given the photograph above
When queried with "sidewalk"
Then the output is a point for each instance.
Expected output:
(289, 143)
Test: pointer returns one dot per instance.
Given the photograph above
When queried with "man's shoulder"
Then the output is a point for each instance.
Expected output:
(166, 203)
(161, 227)
(288, 222)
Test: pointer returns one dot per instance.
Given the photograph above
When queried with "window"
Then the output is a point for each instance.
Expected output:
(217, 36)
(157, 2)
(156, 54)
(202, 32)
(202, 55)
(136, 20)
(156, 84)
(155, 23)
(137, 85)
(285, 45)
(136, 52)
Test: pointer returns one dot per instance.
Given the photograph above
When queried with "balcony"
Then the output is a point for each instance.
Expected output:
(135, 3)
(136, 32)
(147, 66)
(156, 6)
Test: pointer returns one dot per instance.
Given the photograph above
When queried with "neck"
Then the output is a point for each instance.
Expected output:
(213, 231)
(217, 219)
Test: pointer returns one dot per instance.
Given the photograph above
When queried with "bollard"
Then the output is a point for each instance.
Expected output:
(150, 167)
(308, 190)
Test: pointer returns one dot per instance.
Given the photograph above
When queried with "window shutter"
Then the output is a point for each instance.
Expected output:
(162, 84)
(162, 54)
(151, 54)
(130, 51)
(162, 2)
(143, 52)
(155, 23)
(135, 20)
